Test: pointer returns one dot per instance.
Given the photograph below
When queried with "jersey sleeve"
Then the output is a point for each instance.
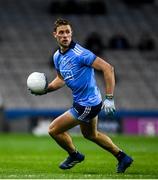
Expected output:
(88, 58)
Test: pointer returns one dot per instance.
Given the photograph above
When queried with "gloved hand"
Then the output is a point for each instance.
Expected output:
(38, 93)
(108, 105)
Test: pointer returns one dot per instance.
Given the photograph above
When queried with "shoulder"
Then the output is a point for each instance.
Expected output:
(80, 50)
(55, 58)
(56, 54)
(77, 49)
(87, 57)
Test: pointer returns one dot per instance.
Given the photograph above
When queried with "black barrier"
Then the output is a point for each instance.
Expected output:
(12, 114)
(128, 122)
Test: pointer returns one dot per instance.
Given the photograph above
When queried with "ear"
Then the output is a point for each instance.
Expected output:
(54, 34)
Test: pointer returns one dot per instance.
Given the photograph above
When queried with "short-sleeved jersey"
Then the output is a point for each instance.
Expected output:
(74, 65)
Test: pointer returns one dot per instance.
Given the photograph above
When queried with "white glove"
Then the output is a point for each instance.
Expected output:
(109, 106)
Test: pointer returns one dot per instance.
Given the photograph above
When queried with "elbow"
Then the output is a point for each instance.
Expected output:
(109, 67)
(112, 68)
(108, 70)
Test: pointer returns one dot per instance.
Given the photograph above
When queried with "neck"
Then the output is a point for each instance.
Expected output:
(63, 49)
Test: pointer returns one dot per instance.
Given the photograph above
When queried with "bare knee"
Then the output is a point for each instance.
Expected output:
(51, 131)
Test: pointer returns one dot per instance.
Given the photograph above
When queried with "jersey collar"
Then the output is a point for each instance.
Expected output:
(71, 46)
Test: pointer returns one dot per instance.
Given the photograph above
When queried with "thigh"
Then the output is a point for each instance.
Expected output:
(63, 123)
(89, 129)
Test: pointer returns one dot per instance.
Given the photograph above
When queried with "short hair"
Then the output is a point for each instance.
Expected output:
(60, 22)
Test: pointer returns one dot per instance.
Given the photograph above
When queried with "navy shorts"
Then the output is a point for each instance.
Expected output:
(85, 113)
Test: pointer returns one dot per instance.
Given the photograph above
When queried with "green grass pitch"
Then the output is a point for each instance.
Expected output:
(29, 157)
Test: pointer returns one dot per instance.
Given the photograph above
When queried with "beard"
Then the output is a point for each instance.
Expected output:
(64, 43)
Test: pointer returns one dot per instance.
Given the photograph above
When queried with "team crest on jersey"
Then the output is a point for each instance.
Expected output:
(67, 74)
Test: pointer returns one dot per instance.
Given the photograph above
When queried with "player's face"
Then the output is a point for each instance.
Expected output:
(63, 35)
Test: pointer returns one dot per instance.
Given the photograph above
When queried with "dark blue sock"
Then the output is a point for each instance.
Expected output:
(120, 155)
(73, 154)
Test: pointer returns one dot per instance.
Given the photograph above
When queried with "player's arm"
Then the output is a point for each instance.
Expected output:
(57, 83)
(108, 73)
(109, 78)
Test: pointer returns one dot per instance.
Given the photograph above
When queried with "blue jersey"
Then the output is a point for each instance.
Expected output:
(74, 66)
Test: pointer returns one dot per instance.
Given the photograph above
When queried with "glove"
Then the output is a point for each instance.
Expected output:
(108, 105)
(38, 93)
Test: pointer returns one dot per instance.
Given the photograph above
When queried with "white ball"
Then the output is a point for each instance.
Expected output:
(37, 82)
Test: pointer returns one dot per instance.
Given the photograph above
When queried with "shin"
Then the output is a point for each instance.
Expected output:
(57, 130)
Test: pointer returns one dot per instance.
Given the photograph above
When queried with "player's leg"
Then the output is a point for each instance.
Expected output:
(89, 131)
(57, 131)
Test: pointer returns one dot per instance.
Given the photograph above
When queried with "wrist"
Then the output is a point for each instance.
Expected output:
(109, 96)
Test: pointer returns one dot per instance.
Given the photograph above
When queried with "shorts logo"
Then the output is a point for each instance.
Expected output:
(67, 74)
(85, 113)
